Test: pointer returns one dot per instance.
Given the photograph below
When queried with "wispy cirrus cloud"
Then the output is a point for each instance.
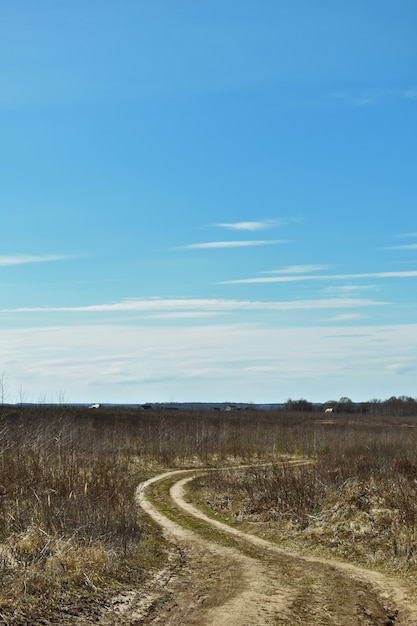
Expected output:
(346, 317)
(190, 315)
(296, 277)
(231, 244)
(407, 246)
(22, 259)
(251, 226)
(349, 289)
(298, 269)
(407, 235)
(193, 306)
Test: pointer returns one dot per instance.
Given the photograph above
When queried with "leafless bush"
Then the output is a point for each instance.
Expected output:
(68, 521)
(357, 498)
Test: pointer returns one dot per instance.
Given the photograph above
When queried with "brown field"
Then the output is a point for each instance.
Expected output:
(71, 535)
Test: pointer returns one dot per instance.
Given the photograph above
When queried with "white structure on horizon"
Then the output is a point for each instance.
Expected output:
(328, 410)
(95, 406)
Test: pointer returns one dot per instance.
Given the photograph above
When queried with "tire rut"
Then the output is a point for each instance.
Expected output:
(219, 585)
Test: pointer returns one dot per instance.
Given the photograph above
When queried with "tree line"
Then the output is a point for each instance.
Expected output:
(398, 406)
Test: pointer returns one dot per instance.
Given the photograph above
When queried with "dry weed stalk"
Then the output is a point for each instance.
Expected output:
(358, 499)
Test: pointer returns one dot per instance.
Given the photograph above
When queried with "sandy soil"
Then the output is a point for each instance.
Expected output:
(208, 584)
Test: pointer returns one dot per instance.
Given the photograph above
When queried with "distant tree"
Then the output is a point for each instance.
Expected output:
(288, 404)
(345, 405)
(401, 406)
(298, 405)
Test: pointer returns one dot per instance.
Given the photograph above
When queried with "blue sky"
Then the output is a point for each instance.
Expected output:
(208, 201)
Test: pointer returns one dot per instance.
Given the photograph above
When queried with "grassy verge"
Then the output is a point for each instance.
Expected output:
(360, 520)
(158, 495)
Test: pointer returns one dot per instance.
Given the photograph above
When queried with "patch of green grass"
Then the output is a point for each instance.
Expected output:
(158, 495)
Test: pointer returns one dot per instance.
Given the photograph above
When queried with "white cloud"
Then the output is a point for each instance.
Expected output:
(188, 306)
(185, 314)
(409, 246)
(298, 269)
(285, 279)
(346, 317)
(401, 366)
(349, 289)
(240, 362)
(230, 244)
(21, 259)
(260, 225)
(407, 235)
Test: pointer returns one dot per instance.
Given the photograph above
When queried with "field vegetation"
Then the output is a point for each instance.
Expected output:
(357, 500)
(71, 535)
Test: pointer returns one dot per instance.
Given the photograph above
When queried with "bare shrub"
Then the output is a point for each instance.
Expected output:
(357, 499)
(68, 520)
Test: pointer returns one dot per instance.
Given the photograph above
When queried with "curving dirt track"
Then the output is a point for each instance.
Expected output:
(217, 585)
(253, 583)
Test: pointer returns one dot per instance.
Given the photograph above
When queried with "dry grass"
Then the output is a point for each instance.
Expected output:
(357, 501)
(70, 532)
(71, 535)
(69, 527)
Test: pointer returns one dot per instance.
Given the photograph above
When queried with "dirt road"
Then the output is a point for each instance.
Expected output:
(255, 583)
